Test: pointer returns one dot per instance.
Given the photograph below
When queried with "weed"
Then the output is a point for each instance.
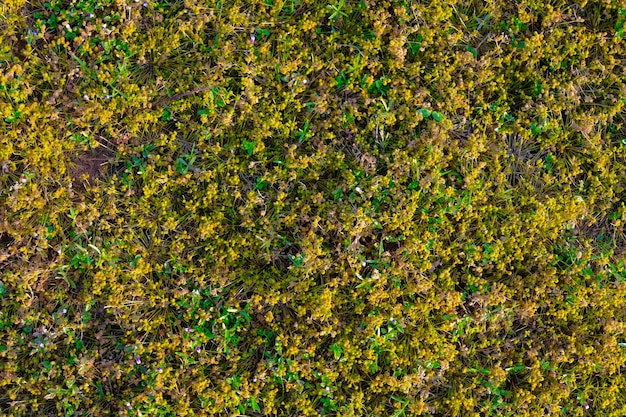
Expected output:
(378, 208)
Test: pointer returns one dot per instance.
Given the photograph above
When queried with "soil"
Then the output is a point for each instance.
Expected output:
(89, 166)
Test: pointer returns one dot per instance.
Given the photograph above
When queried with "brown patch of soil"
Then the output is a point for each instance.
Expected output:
(88, 166)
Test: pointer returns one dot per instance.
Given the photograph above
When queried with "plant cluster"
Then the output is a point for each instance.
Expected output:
(299, 207)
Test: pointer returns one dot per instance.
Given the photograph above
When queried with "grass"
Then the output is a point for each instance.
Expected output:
(312, 208)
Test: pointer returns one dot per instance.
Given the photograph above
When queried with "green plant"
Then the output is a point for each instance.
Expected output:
(249, 146)
(337, 10)
(403, 403)
(185, 162)
(365, 205)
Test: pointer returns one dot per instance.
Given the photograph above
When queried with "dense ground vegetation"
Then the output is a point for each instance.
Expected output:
(307, 207)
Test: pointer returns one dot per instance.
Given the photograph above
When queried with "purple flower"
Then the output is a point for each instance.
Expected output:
(198, 349)
(327, 389)
(40, 344)
(138, 360)
(159, 370)
(36, 235)
(64, 311)
(59, 251)
(187, 329)
(586, 406)
(254, 379)
(24, 179)
(129, 405)
(90, 15)
(35, 32)
(145, 4)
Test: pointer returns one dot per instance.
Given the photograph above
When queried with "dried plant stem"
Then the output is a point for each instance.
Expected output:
(180, 95)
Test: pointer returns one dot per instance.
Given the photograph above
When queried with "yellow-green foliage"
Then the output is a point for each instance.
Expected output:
(301, 207)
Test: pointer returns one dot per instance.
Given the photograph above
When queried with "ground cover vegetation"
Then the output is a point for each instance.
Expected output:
(307, 207)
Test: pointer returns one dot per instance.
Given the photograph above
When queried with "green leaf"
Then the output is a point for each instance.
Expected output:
(262, 33)
(181, 166)
(535, 129)
(254, 405)
(516, 368)
(337, 350)
(86, 317)
(425, 113)
(71, 282)
(249, 146)
(548, 162)
(437, 116)
(341, 80)
(302, 133)
(13, 118)
(297, 261)
(260, 184)
(537, 89)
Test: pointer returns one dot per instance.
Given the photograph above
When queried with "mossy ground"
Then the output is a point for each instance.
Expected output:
(301, 207)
